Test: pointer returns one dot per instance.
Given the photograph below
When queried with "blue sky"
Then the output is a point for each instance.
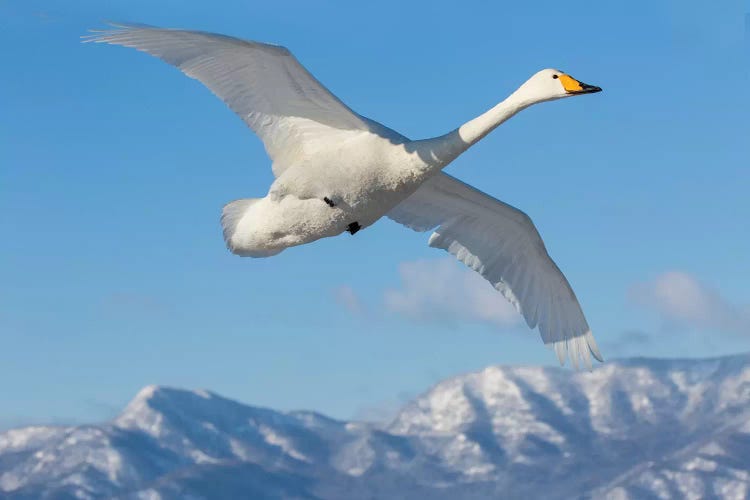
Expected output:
(114, 168)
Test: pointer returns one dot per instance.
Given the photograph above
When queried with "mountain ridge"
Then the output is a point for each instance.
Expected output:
(631, 428)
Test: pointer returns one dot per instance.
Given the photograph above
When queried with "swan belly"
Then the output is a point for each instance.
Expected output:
(268, 225)
(361, 189)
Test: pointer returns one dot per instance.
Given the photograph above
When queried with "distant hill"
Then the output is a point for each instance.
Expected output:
(637, 428)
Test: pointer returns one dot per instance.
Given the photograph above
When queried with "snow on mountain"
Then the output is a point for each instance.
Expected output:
(635, 428)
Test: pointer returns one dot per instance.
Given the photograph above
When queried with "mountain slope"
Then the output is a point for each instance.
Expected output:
(635, 428)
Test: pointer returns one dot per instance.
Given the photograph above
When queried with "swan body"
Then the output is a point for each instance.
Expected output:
(337, 171)
(361, 174)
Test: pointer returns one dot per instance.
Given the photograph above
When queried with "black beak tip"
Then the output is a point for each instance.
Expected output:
(590, 89)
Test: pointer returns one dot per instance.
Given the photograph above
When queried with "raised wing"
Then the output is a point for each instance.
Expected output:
(501, 243)
(264, 84)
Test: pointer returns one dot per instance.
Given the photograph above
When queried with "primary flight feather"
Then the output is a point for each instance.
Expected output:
(338, 171)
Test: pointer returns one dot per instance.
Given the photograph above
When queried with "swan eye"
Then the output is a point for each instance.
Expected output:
(555, 77)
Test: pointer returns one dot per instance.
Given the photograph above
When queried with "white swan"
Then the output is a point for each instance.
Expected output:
(338, 171)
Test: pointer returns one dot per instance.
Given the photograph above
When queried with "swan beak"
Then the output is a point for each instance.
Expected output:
(573, 86)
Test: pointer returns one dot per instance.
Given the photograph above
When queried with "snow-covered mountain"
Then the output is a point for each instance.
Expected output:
(637, 428)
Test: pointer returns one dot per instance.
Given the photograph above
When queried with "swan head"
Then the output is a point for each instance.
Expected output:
(550, 84)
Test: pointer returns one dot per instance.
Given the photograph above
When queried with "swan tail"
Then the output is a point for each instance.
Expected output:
(231, 215)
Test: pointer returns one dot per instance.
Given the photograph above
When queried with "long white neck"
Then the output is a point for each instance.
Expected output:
(440, 151)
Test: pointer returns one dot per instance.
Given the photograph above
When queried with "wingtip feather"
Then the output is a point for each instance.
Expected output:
(561, 351)
(593, 348)
(114, 28)
(579, 350)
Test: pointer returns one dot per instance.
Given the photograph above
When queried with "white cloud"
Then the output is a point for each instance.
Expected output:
(348, 298)
(683, 301)
(444, 290)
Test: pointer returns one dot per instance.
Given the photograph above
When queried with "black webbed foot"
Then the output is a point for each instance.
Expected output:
(329, 202)
(353, 227)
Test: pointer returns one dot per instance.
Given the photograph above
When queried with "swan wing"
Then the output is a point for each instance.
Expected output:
(264, 84)
(501, 243)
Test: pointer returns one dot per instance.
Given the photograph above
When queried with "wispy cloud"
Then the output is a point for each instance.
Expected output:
(444, 290)
(347, 297)
(683, 301)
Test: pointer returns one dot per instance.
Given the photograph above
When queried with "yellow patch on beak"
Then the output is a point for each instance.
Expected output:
(573, 86)
(570, 84)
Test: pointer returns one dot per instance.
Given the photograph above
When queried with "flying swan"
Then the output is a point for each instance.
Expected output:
(337, 171)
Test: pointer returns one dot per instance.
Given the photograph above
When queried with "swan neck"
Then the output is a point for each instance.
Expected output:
(444, 149)
(474, 130)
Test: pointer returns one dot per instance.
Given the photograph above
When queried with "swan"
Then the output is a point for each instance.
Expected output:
(337, 171)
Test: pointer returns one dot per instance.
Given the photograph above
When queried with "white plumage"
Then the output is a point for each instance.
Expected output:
(338, 171)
